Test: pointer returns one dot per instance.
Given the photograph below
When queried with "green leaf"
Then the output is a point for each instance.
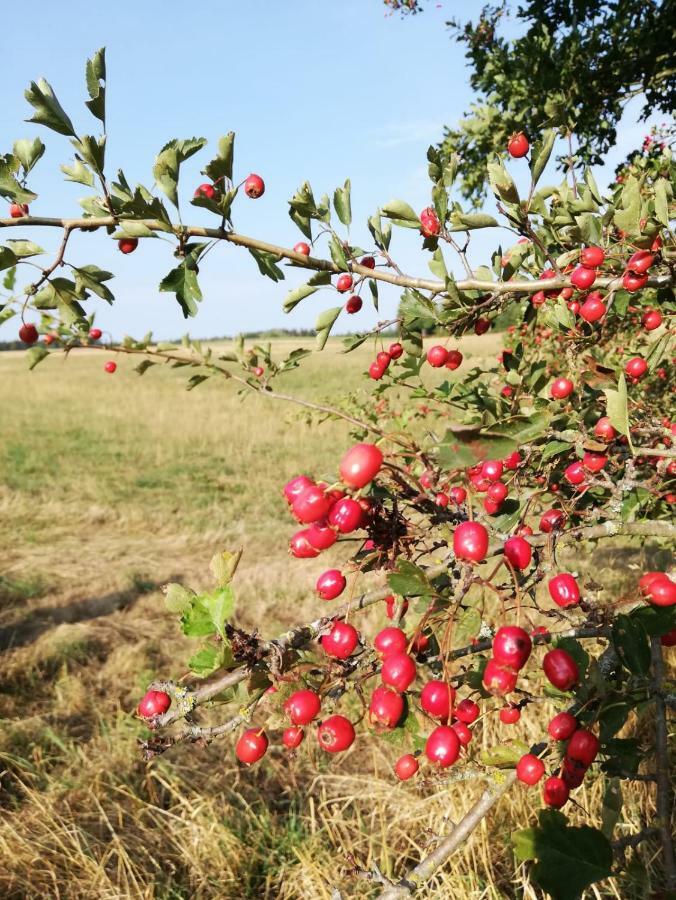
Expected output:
(95, 76)
(568, 858)
(501, 182)
(471, 221)
(223, 566)
(168, 163)
(540, 154)
(91, 278)
(341, 202)
(616, 407)
(661, 201)
(92, 150)
(220, 166)
(207, 660)
(78, 173)
(337, 253)
(129, 228)
(504, 756)
(9, 186)
(553, 448)
(467, 626)
(612, 717)
(612, 806)
(438, 265)
(324, 324)
(294, 297)
(631, 643)
(267, 263)
(35, 355)
(7, 258)
(656, 620)
(177, 598)
(208, 613)
(28, 152)
(182, 281)
(48, 110)
(409, 580)
(401, 214)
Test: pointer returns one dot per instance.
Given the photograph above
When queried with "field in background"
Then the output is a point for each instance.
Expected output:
(109, 488)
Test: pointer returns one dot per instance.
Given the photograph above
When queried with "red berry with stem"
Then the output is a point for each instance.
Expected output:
(561, 669)
(636, 367)
(561, 388)
(383, 359)
(436, 699)
(454, 359)
(429, 222)
(442, 747)
(651, 319)
(95, 334)
(330, 584)
(28, 333)
(406, 767)
(346, 515)
(640, 262)
(353, 305)
(661, 591)
(18, 210)
(127, 245)
(530, 769)
(254, 186)
(302, 707)
(563, 590)
(389, 641)
(344, 283)
(481, 326)
(511, 647)
(594, 462)
(335, 734)
(302, 248)
(499, 680)
(470, 542)
(368, 262)
(154, 703)
(110, 367)
(208, 191)
(311, 504)
(386, 707)
(360, 465)
(437, 356)
(593, 308)
(395, 350)
(376, 372)
(518, 145)
(562, 726)
(251, 746)
(510, 715)
(293, 737)
(300, 546)
(592, 257)
(518, 552)
(467, 711)
(555, 792)
(398, 671)
(552, 520)
(582, 277)
(340, 641)
(583, 747)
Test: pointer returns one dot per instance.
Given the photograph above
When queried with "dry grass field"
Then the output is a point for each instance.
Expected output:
(109, 488)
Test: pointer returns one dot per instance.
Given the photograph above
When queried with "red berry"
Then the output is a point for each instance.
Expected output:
(346, 515)
(442, 746)
(582, 277)
(375, 371)
(458, 494)
(518, 145)
(572, 773)
(652, 319)
(406, 767)
(320, 535)
(593, 308)
(511, 647)
(389, 641)
(562, 726)
(604, 430)
(49, 339)
(636, 367)
(552, 520)
(127, 245)
(561, 669)
(437, 356)
(302, 706)
(594, 462)
(512, 461)
(330, 584)
(632, 282)
(296, 486)
(293, 737)
(497, 492)
(353, 305)
(583, 747)
(300, 546)
(509, 715)
(592, 257)
(302, 248)
(574, 473)
(436, 699)
(344, 283)
(441, 499)
(499, 680)
(28, 333)
(467, 711)
(110, 367)
(395, 350)
(335, 734)
(360, 465)
(154, 703)
(464, 733)
(563, 590)
(454, 359)
(481, 326)
(95, 334)
(251, 746)
(383, 359)
(254, 186)
(518, 552)
(470, 542)
(18, 210)
(492, 469)
(398, 671)
(386, 707)
(555, 792)
(429, 222)
(340, 641)
(206, 190)
(530, 769)
(661, 590)
(561, 388)
(640, 262)
(311, 504)
(368, 262)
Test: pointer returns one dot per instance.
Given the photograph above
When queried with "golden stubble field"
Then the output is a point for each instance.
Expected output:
(109, 488)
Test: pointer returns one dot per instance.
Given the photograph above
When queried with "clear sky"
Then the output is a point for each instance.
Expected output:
(315, 90)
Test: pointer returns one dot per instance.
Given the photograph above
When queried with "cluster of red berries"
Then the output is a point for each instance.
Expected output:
(439, 356)
(382, 361)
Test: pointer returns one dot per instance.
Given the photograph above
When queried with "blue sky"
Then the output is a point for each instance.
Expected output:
(315, 90)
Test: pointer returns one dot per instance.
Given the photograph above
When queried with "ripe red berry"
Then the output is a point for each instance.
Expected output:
(398, 671)
(254, 186)
(368, 262)
(18, 210)
(561, 388)
(360, 465)
(574, 473)
(583, 747)
(592, 257)
(437, 356)
(652, 319)
(95, 334)
(300, 546)
(640, 262)
(386, 707)
(441, 499)
(632, 282)
(594, 462)
(562, 726)
(341, 640)
(555, 792)
(330, 584)
(302, 248)
(509, 715)
(593, 308)
(530, 769)
(49, 339)
(344, 283)
(154, 703)
(563, 590)
(389, 641)
(467, 711)
(293, 737)
(353, 305)
(636, 367)
(391, 607)
(311, 504)
(481, 326)
(429, 222)
(28, 333)
(206, 190)
(320, 535)
(604, 430)
(464, 733)
(561, 669)
(582, 277)
(375, 371)
(497, 492)
(442, 746)
(499, 680)
(492, 469)
(110, 367)
(346, 515)
(511, 647)
(302, 706)
(518, 552)
(436, 699)
(406, 767)
(383, 359)
(335, 734)
(458, 494)
(251, 746)
(661, 591)
(552, 520)
(512, 461)
(295, 487)
(470, 542)
(127, 245)
(518, 145)
(454, 359)
(395, 350)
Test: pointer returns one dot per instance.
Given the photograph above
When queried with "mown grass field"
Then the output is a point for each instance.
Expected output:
(109, 488)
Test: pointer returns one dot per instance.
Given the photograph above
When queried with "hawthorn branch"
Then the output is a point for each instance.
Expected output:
(433, 286)
(662, 767)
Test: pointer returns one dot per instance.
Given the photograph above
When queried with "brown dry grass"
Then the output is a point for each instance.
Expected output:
(106, 492)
